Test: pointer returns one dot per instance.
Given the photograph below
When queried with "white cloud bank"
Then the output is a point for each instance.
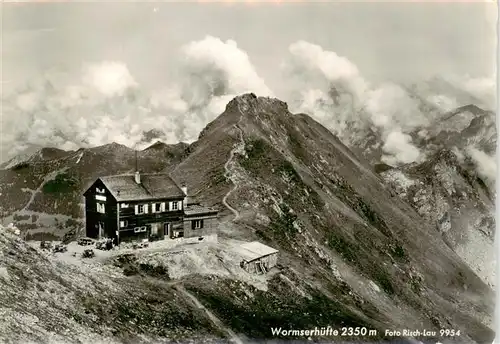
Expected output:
(486, 165)
(108, 105)
(332, 89)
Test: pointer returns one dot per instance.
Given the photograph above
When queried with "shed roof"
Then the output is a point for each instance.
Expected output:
(153, 186)
(195, 209)
(255, 250)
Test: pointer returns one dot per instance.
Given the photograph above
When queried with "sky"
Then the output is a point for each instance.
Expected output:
(385, 40)
(111, 47)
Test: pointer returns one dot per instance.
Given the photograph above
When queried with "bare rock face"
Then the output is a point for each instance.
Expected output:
(249, 104)
(448, 192)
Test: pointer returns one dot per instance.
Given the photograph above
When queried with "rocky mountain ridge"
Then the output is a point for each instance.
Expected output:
(352, 253)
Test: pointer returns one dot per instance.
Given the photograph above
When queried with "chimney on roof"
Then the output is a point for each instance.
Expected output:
(185, 191)
(137, 174)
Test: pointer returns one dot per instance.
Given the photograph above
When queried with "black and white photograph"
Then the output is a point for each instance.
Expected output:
(248, 172)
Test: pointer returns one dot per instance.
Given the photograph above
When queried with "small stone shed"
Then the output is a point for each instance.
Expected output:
(257, 257)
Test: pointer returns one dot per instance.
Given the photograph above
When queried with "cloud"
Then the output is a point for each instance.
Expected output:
(486, 165)
(310, 66)
(398, 149)
(106, 104)
(214, 68)
(332, 89)
(111, 78)
(391, 107)
(443, 102)
(483, 88)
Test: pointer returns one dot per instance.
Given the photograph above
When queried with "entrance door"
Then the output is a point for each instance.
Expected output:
(166, 227)
(101, 229)
(154, 229)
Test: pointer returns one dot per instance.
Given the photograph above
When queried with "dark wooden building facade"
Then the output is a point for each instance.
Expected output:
(144, 206)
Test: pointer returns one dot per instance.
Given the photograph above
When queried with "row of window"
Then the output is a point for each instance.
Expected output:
(157, 207)
(195, 224)
(144, 208)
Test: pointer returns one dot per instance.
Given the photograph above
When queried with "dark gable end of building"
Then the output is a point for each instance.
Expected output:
(100, 211)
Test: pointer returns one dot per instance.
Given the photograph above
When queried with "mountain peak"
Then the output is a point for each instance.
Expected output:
(111, 147)
(157, 145)
(474, 109)
(250, 103)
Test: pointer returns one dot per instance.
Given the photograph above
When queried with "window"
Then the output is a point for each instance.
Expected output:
(156, 208)
(100, 190)
(141, 209)
(100, 208)
(123, 205)
(175, 206)
(100, 198)
(139, 229)
(123, 224)
(197, 224)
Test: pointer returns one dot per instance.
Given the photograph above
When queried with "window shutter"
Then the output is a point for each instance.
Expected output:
(145, 208)
(162, 206)
(169, 206)
(153, 207)
(136, 209)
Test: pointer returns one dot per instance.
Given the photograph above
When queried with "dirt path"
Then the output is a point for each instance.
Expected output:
(240, 147)
(217, 322)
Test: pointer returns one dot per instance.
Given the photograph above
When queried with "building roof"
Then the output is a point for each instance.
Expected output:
(255, 250)
(153, 186)
(195, 209)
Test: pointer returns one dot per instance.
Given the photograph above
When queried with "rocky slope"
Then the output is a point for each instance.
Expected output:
(454, 187)
(450, 196)
(48, 301)
(351, 253)
(466, 126)
(300, 189)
